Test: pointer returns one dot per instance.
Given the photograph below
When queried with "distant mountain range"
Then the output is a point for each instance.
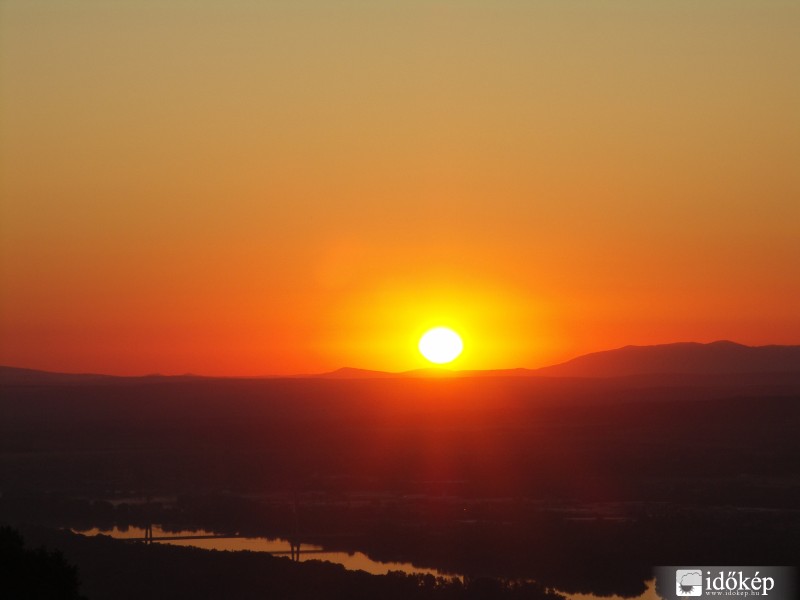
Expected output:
(19, 376)
(716, 358)
(686, 358)
(690, 358)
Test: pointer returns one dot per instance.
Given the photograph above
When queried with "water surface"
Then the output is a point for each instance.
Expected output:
(356, 561)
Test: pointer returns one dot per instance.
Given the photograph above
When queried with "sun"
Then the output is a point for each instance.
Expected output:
(440, 345)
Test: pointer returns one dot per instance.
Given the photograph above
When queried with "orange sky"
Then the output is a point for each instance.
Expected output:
(249, 187)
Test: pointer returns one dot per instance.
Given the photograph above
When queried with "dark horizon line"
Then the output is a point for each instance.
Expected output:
(433, 370)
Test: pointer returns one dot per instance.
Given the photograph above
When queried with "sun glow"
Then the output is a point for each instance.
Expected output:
(441, 345)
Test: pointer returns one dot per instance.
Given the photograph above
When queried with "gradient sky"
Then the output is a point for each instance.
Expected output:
(256, 187)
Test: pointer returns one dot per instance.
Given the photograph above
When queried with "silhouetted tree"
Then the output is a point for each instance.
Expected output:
(27, 574)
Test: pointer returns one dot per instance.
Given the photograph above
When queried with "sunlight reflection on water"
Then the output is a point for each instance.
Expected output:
(648, 594)
(354, 562)
(357, 561)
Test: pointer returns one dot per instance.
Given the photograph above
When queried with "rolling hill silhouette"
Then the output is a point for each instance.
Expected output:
(19, 376)
(716, 358)
(684, 358)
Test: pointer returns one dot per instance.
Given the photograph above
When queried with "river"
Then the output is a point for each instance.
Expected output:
(355, 561)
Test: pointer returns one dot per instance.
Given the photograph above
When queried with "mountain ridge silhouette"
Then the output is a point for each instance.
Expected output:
(690, 358)
(681, 358)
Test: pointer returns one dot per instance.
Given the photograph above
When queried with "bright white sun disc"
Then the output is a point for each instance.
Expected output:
(440, 345)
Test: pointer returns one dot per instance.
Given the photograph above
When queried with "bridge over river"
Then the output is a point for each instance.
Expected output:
(293, 551)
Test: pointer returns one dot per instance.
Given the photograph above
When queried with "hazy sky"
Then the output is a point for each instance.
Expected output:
(253, 187)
